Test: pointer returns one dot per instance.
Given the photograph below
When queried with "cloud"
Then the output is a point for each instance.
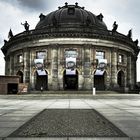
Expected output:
(32, 4)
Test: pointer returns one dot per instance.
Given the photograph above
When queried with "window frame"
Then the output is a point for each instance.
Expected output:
(20, 58)
(44, 56)
(121, 58)
(101, 56)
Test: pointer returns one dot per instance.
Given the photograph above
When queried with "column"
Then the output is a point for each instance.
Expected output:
(7, 65)
(60, 68)
(133, 72)
(114, 69)
(54, 68)
(32, 72)
(26, 61)
(87, 67)
(129, 82)
(11, 65)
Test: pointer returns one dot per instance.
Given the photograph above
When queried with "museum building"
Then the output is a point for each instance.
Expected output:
(72, 49)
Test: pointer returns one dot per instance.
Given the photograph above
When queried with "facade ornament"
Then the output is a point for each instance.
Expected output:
(66, 4)
(5, 41)
(136, 42)
(59, 7)
(100, 17)
(42, 17)
(76, 4)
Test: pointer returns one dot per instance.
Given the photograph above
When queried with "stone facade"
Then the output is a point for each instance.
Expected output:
(119, 51)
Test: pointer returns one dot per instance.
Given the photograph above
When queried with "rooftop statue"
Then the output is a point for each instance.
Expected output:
(10, 34)
(115, 26)
(129, 34)
(26, 25)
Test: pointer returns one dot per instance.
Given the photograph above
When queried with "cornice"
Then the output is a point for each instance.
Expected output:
(39, 34)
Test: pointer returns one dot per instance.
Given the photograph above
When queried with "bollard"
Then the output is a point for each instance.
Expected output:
(94, 91)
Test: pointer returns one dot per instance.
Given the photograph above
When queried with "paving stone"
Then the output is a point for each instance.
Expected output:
(128, 103)
(5, 131)
(10, 124)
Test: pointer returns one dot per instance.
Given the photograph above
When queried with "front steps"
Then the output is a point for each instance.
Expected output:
(73, 92)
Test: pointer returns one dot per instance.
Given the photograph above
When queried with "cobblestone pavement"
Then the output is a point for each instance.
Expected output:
(121, 110)
(68, 123)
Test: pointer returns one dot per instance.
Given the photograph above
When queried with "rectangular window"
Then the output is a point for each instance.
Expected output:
(20, 58)
(120, 58)
(41, 55)
(100, 55)
(71, 53)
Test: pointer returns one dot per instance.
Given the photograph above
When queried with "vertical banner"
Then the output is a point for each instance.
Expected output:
(40, 67)
(102, 63)
(39, 64)
(70, 66)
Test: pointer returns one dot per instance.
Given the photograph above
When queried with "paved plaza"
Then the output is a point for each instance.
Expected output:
(123, 110)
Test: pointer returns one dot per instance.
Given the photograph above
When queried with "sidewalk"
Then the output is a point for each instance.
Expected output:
(123, 110)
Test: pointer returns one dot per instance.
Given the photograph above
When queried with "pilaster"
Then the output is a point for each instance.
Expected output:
(60, 68)
(54, 67)
(114, 69)
(26, 60)
(129, 73)
(11, 71)
(87, 66)
(32, 70)
(132, 72)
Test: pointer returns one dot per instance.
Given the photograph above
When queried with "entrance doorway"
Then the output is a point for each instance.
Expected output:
(41, 80)
(12, 88)
(20, 74)
(70, 82)
(99, 80)
(120, 78)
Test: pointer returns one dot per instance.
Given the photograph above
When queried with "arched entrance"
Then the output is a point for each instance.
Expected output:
(99, 79)
(20, 74)
(41, 80)
(120, 78)
(70, 82)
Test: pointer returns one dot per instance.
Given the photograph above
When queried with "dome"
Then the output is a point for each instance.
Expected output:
(71, 18)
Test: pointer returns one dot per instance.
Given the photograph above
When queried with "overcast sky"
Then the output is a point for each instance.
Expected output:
(13, 12)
